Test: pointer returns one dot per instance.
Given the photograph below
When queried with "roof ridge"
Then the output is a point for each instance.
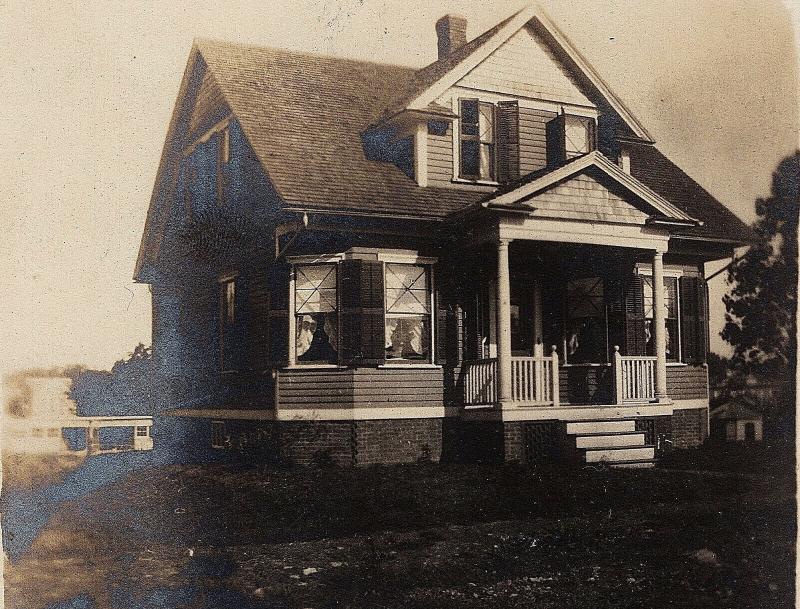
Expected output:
(200, 41)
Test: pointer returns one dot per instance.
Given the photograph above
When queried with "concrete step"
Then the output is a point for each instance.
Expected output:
(616, 454)
(589, 427)
(622, 438)
(633, 464)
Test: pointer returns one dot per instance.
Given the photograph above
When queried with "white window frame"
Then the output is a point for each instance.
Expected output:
(397, 256)
(300, 261)
(404, 363)
(222, 282)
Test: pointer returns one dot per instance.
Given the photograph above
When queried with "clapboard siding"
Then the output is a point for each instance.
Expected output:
(247, 390)
(440, 158)
(359, 388)
(524, 66)
(585, 384)
(583, 197)
(687, 382)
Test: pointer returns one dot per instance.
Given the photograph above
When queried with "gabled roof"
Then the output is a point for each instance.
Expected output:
(304, 115)
(537, 182)
(433, 80)
(735, 411)
(653, 169)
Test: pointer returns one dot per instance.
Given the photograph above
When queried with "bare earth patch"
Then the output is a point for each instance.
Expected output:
(417, 536)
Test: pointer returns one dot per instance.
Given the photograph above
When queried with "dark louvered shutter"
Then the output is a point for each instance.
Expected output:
(444, 328)
(278, 281)
(635, 335)
(258, 322)
(694, 320)
(507, 119)
(361, 314)
(556, 144)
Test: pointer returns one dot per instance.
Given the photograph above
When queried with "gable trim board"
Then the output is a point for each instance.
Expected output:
(563, 45)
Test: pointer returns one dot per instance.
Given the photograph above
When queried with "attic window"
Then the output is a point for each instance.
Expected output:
(569, 136)
(477, 140)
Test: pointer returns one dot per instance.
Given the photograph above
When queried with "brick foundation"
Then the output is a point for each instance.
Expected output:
(336, 442)
(689, 427)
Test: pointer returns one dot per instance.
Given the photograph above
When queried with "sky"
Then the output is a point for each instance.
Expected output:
(88, 90)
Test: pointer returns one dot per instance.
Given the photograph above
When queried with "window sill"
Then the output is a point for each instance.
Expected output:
(314, 367)
(411, 366)
(476, 182)
(677, 364)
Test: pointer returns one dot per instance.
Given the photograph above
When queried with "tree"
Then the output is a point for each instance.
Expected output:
(126, 389)
(760, 319)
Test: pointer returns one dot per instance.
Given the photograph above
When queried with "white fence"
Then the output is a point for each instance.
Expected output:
(534, 381)
(635, 377)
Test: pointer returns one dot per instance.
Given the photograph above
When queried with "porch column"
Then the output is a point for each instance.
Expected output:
(659, 331)
(503, 324)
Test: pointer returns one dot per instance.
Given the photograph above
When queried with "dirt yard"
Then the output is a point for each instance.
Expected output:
(422, 536)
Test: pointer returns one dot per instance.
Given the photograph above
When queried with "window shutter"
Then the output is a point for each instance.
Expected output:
(361, 313)
(556, 144)
(278, 281)
(258, 322)
(445, 335)
(635, 336)
(694, 320)
(507, 119)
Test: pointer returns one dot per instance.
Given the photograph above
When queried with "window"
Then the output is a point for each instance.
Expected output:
(569, 136)
(585, 321)
(316, 317)
(578, 135)
(141, 431)
(671, 314)
(408, 312)
(477, 140)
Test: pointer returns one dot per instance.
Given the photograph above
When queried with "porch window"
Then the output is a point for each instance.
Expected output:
(670, 312)
(141, 431)
(316, 316)
(408, 312)
(477, 140)
(586, 321)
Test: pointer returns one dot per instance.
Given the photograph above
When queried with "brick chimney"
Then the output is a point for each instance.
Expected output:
(452, 33)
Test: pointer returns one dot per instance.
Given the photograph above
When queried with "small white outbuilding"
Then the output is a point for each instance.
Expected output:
(734, 422)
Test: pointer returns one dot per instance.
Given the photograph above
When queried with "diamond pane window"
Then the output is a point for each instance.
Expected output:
(408, 312)
(316, 317)
(315, 288)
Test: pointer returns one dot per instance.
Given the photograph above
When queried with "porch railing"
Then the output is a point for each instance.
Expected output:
(534, 381)
(480, 383)
(634, 377)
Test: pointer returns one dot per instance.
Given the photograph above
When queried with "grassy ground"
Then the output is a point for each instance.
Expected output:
(418, 536)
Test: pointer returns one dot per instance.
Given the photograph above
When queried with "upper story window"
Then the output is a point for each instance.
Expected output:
(570, 136)
(477, 140)
(315, 310)
(408, 312)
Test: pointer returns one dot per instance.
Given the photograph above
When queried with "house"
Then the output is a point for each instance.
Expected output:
(363, 263)
(735, 422)
(40, 417)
